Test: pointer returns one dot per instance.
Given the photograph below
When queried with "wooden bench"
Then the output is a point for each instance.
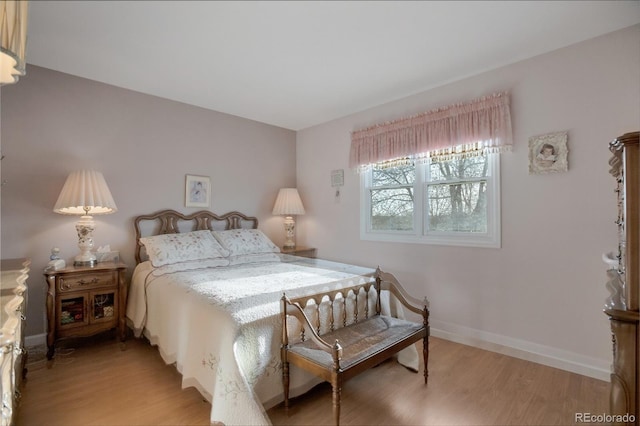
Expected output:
(352, 336)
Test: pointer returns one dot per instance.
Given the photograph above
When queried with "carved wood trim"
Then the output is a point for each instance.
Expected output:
(168, 221)
(624, 163)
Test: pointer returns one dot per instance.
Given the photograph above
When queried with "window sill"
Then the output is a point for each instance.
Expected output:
(479, 241)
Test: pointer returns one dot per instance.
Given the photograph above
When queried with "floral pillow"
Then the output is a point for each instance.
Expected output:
(173, 248)
(245, 241)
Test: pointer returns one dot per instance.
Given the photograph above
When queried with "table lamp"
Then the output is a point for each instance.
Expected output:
(85, 193)
(13, 40)
(288, 203)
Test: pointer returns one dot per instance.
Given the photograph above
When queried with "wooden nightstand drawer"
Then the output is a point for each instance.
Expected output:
(74, 282)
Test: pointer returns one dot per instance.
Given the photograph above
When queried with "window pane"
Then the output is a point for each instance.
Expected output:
(394, 176)
(392, 209)
(458, 207)
(459, 168)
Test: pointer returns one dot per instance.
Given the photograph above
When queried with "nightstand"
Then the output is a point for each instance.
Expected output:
(299, 251)
(83, 301)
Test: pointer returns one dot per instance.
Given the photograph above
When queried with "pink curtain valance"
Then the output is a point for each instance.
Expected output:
(482, 125)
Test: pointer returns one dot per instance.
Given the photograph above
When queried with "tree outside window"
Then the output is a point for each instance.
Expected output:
(450, 201)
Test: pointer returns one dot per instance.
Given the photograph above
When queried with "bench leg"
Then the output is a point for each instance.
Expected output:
(337, 389)
(285, 383)
(425, 355)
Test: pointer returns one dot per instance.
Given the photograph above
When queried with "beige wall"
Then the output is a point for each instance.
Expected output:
(543, 291)
(54, 123)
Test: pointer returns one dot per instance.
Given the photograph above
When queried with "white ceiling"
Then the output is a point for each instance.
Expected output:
(298, 64)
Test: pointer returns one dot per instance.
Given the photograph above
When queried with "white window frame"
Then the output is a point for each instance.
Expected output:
(490, 239)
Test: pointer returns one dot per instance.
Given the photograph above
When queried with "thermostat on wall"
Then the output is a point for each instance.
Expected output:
(337, 177)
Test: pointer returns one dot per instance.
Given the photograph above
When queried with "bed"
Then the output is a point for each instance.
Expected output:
(206, 290)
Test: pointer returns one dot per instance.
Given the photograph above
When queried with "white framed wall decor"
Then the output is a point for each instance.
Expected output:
(548, 153)
(197, 191)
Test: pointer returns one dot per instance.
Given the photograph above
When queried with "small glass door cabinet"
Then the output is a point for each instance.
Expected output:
(83, 301)
(72, 311)
(82, 309)
(104, 306)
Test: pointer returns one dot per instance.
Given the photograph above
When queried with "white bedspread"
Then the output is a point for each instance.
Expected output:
(221, 326)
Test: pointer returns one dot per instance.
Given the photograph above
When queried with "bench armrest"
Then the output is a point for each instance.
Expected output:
(390, 283)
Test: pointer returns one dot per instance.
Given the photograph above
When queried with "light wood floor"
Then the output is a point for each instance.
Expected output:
(98, 384)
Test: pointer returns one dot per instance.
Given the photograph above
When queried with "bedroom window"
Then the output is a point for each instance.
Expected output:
(434, 177)
(450, 201)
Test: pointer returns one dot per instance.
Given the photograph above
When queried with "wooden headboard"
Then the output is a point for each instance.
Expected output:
(173, 222)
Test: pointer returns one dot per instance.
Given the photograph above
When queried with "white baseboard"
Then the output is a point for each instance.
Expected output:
(541, 354)
(35, 340)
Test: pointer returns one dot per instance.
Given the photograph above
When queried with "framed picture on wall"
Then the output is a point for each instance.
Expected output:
(197, 191)
(548, 153)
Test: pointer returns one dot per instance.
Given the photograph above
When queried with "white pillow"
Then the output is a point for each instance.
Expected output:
(245, 241)
(173, 248)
